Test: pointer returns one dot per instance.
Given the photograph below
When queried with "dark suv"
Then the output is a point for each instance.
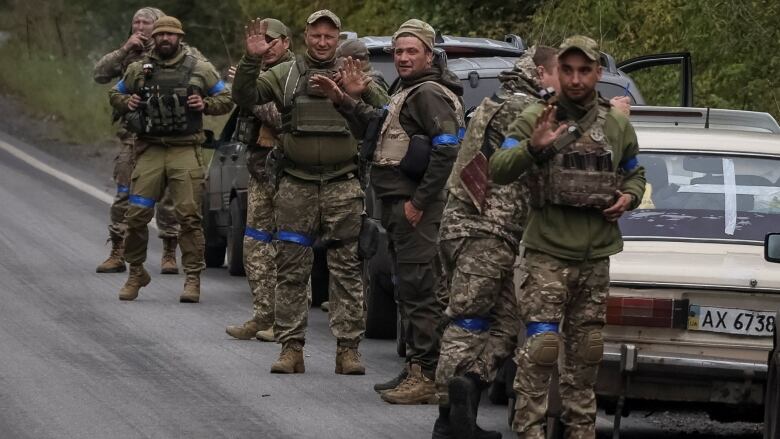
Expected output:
(477, 62)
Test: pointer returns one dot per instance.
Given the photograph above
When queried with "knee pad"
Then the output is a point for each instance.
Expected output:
(592, 347)
(543, 348)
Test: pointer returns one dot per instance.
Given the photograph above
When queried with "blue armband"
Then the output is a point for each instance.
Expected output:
(473, 324)
(630, 164)
(510, 142)
(296, 238)
(218, 87)
(534, 328)
(137, 200)
(257, 235)
(121, 87)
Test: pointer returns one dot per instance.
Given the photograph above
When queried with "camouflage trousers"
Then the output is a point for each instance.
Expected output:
(482, 309)
(331, 210)
(259, 252)
(124, 162)
(572, 294)
(178, 169)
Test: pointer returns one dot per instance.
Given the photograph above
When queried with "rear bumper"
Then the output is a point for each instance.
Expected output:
(658, 376)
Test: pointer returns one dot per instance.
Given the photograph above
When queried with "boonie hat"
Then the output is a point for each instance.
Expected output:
(420, 29)
(276, 28)
(168, 24)
(582, 43)
(324, 13)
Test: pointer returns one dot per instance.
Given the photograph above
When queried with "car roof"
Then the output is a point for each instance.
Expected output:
(707, 140)
(454, 46)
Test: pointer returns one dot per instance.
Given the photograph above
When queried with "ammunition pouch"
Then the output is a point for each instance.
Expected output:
(314, 116)
(415, 161)
(368, 240)
(247, 129)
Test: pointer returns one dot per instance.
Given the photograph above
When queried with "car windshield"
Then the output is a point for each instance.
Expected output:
(706, 197)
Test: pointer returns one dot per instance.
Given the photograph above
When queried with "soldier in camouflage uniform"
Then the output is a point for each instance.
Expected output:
(480, 236)
(580, 162)
(258, 249)
(163, 98)
(318, 192)
(415, 151)
(108, 68)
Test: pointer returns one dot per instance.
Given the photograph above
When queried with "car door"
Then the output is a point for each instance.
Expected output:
(643, 65)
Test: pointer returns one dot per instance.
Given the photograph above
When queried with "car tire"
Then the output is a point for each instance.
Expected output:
(235, 241)
(215, 256)
(381, 309)
(772, 398)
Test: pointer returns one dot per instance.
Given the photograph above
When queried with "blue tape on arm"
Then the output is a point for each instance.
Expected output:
(510, 142)
(461, 133)
(121, 87)
(218, 87)
(534, 328)
(473, 324)
(122, 189)
(293, 237)
(445, 139)
(630, 164)
(140, 201)
(258, 235)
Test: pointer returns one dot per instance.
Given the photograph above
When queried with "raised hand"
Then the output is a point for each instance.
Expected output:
(256, 43)
(135, 42)
(353, 80)
(327, 87)
(544, 135)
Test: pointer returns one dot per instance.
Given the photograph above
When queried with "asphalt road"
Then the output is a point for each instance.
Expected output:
(75, 362)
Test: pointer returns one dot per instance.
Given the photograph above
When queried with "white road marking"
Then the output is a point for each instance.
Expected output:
(59, 175)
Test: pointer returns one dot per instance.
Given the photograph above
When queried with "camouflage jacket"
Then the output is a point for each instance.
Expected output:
(505, 208)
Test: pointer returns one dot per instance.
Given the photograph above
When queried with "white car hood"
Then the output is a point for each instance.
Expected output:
(666, 263)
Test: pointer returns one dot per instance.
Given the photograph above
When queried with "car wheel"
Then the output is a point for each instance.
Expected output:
(772, 399)
(215, 256)
(380, 306)
(235, 241)
(319, 276)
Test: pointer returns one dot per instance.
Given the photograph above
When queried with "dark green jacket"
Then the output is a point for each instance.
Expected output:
(563, 231)
(427, 111)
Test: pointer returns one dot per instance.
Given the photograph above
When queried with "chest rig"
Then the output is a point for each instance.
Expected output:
(393, 140)
(164, 92)
(307, 112)
(580, 174)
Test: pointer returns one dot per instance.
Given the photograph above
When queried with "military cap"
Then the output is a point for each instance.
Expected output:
(582, 43)
(168, 24)
(326, 14)
(276, 28)
(354, 48)
(149, 12)
(420, 29)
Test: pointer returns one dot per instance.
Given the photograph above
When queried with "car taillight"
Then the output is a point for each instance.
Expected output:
(641, 311)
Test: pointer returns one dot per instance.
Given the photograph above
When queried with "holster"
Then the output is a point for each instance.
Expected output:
(247, 128)
(368, 240)
(274, 166)
(371, 137)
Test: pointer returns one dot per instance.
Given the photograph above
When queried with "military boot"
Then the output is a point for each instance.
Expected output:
(394, 382)
(348, 361)
(265, 334)
(168, 262)
(116, 259)
(465, 393)
(191, 293)
(137, 278)
(290, 359)
(243, 332)
(415, 389)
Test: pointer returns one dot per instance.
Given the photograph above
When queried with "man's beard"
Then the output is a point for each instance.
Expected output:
(167, 50)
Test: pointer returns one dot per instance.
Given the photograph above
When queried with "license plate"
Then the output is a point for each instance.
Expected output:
(731, 321)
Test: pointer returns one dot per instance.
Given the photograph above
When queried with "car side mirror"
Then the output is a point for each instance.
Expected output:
(772, 247)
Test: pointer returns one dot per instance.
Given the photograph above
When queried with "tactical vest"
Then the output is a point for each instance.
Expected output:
(581, 174)
(469, 178)
(393, 141)
(317, 142)
(164, 93)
